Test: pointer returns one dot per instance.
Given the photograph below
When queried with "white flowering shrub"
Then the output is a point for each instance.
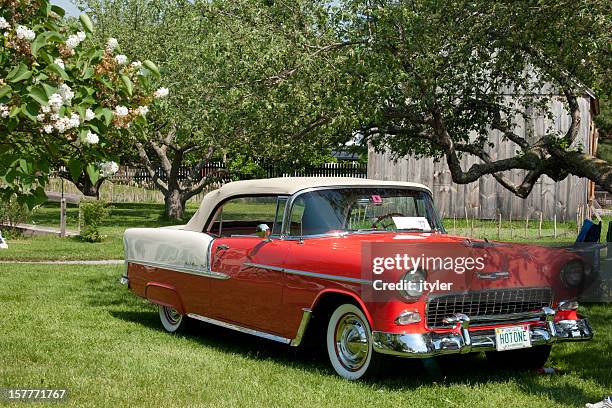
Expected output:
(61, 95)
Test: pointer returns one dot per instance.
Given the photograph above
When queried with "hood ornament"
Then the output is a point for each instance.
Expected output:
(493, 275)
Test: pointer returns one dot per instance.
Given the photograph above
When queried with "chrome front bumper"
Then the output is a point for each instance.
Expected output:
(464, 340)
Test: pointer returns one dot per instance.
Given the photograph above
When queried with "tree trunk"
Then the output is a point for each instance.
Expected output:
(85, 186)
(175, 205)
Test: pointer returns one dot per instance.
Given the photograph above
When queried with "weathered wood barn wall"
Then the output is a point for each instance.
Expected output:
(485, 198)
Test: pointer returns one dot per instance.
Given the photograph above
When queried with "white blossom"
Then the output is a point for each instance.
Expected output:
(66, 93)
(45, 109)
(73, 41)
(74, 121)
(24, 33)
(89, 114)
(107, 169)
(40, 117)
(121, 111)
(111, 44)
(3, 23)
(58, 61)
(4, 111)
(81, 36)
(121, 59)
(55, 102)
(136, 64)
(161, 92)
(142, 110)
(54, 116)
(91, 139)
(61, 124)
(48, 128)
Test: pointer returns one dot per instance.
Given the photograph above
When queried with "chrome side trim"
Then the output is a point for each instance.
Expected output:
(302, 329)
(309, 274)
(241, 329)
(185, 269)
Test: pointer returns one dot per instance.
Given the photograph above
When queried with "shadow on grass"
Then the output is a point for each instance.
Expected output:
(399, 375)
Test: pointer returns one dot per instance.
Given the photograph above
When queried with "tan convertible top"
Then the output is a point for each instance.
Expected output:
(279, 186)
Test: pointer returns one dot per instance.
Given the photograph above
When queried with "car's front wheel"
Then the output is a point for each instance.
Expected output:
(523, 359)
(349, 343)
(172, 320)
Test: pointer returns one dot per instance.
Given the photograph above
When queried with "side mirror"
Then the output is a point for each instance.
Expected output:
(263, 231)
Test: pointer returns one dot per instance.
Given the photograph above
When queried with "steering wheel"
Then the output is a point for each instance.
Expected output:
(384, 217)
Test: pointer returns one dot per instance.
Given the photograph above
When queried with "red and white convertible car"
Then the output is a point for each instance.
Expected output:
(285, 259)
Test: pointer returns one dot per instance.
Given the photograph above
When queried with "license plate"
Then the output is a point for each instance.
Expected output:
(512, 338)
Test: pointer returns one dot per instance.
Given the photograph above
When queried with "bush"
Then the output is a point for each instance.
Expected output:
(93, 213)
(12, 213)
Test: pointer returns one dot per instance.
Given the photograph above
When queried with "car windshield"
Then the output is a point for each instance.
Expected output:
(357, 210)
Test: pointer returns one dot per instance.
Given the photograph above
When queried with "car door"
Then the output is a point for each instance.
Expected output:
(251, 294)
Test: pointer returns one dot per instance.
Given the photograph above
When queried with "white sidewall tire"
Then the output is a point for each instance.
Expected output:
(330, 333)
(170, 325)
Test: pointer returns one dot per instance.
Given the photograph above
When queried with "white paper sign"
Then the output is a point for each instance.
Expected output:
(407, 223)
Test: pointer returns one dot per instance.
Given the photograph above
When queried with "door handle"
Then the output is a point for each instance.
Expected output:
(222, 247)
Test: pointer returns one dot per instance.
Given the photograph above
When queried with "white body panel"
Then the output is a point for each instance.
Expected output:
(169, 248)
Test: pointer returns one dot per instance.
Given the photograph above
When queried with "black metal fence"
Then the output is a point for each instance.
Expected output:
(141, 177)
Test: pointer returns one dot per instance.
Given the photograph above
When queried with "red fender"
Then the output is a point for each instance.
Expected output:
(165, 295)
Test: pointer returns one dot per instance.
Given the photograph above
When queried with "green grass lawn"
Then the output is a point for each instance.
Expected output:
(76, 327)
(122, 216)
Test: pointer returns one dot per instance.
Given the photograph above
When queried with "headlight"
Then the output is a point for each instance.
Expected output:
(572, 274)
(412, 284)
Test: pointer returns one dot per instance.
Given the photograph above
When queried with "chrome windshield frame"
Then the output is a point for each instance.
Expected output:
(285, 231)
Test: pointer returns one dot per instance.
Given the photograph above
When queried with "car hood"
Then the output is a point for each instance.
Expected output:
(507, 265)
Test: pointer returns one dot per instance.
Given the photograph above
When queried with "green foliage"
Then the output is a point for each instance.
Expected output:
(93, 213)
(12, 213)
(61, 96)
(245, 76)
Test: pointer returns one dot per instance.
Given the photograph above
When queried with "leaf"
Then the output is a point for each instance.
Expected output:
(128, 84)
(30, 110)
(49, 90)
(56, 69)
(105, 113)
(87, 24)
(15, 111)
(75, 166)
(151, 67)
(93, 173)
(19, 73)
(23, 165)
(38, 94)
(43, 39)
(58, 10)
(38, 43)
(88, 72)
(5, 90)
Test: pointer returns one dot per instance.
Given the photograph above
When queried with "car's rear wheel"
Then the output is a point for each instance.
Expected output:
(349, 343)
(171, 319)
(523, 359)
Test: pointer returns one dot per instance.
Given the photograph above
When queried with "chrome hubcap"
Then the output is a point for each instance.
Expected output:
(352, 342)
(172, 315)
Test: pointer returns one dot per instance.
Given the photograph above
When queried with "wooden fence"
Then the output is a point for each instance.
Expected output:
(485, 198)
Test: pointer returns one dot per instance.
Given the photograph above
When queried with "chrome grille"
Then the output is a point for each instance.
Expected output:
(486, 303)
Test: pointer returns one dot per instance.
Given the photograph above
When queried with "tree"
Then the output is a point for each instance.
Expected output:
(436, 76)
(245, 78)
(61, 96)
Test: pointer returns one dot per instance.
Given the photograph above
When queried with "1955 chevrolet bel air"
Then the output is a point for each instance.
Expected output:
(364, 265)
